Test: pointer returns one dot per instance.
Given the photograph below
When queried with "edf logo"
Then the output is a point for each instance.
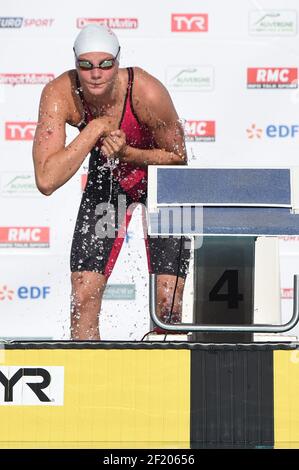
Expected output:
(31, 385)
(282, 131)
(33, 292)
(24, 292)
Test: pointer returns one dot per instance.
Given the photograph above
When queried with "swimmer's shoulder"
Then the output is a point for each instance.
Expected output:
(62, 89)
(63, 84)
(146, 85)
(149, 95)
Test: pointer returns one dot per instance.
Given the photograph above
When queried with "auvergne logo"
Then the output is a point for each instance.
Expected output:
(21, 385)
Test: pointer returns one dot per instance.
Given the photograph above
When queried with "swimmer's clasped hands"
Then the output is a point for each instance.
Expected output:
(114, 144)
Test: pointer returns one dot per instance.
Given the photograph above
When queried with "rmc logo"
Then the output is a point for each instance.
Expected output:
(269, 77)
(44, 385)
(24, 237)
(199, 131)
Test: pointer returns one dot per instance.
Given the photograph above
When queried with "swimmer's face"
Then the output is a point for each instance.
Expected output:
(97, 81)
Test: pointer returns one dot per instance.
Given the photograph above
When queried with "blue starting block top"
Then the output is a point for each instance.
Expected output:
(269, 187)
(233, 201)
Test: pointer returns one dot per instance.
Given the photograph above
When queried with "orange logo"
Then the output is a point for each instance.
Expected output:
(254, 131)
(6, 293)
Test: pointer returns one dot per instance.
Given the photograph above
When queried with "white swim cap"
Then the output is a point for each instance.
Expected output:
(96, 38)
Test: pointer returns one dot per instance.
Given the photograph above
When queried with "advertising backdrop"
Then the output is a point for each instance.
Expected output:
(232, 71)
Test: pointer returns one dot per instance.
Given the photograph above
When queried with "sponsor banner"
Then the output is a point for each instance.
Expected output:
(120, 292)
(286, 293)
(270, 77)
(15, 22)
(83, 181)
(189, 22)
(200, 131)
(31, 385)
(25, 78)
(24, 293)
(289, 238)
(24, 237)
(18, 185)
(273, 131)
(26, 338)
(2, 94)
(273, 22)
(113, 23)
(11, 22)
(191, 78)
(20, 130)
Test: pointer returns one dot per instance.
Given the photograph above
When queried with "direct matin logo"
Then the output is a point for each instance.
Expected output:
(32, 385)
(113, 23)
(25, 78)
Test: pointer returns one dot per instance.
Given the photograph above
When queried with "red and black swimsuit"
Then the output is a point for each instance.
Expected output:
(105, 210)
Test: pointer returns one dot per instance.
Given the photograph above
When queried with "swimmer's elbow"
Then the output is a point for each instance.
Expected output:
(179, 160)
(44, 187)
(45, 190)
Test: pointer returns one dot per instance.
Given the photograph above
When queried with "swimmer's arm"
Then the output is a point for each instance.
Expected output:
(170, 149)
(159, 114)
(55, 163)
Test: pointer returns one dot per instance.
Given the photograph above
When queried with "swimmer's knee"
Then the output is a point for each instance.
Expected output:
(87, 286)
